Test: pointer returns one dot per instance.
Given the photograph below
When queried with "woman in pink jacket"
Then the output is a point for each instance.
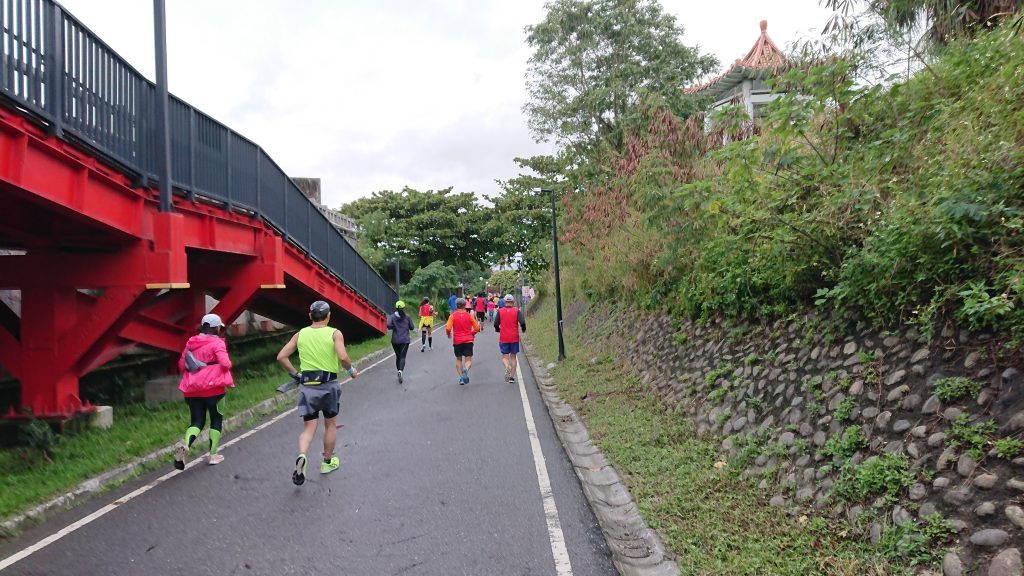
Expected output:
(205, 375)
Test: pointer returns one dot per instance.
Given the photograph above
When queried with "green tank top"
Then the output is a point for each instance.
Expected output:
(316, 349)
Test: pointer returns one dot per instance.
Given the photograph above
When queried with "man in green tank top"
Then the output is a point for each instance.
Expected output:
(321, 351)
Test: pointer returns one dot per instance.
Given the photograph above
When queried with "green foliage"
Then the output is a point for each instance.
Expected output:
(38, 438)
(813, 386)
(432, 281)
(420, 228)
(896, 200)
(1008, 448)
(974, 439)
(842, 446)
(716, 395)
(717, 373)
(505, 280)
(953, 389)
(844, 411)
(595, 61)
(723, 418)
(918, 543)
(887, 476)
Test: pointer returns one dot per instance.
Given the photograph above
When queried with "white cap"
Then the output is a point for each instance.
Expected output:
(509, 298)
(212, 320)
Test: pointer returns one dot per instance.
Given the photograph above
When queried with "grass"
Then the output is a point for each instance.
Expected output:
(713, 521)
(30, 478)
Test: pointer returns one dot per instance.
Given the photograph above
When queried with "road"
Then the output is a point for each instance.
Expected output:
(436, 479)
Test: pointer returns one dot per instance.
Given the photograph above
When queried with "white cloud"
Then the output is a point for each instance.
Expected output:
(372, 96)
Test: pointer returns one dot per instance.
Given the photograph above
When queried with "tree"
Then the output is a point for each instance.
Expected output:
(432, 281)
(505, 281)
(420, 227)
(522, 215)
(941, 19)
(595, 60)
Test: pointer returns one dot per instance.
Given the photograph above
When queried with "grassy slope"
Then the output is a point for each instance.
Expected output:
(138, 430)
(714, 522)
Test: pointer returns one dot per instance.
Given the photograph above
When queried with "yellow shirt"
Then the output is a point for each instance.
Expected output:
(316, 349)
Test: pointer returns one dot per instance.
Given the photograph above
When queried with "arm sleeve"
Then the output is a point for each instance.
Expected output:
(497, 322)
(221, 352)
(448, 325)
(391, 322)
(181, 360)
(522, 321)
(476, 325)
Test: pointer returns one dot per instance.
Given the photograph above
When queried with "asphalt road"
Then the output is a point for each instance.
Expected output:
(436, 479)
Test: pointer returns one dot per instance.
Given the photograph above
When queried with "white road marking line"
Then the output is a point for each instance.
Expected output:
(562, 565)
(28, 551)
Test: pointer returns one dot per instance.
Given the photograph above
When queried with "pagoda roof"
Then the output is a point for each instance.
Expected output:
(762, 61)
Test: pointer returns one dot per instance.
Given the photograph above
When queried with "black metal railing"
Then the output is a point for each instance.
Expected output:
(59, 70)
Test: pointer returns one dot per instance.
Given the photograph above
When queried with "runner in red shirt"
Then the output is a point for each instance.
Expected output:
(508, 322)
(462, 328)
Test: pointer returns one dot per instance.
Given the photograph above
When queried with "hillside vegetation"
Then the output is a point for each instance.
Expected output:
(900, 200)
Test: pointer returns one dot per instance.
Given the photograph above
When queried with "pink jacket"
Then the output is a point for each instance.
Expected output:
(213, 379)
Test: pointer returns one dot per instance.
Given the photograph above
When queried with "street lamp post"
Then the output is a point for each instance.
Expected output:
(558, 278)
(163, 119)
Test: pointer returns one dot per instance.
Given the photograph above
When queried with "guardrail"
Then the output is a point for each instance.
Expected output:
(56, 68)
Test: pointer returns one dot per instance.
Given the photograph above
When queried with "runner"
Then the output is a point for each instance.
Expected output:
(426, 325)
(462, 328)
(205, 375)
(508, 322)
(321, 348)
(481, 307)
(451, 304)
(490, 308)
(400, 325)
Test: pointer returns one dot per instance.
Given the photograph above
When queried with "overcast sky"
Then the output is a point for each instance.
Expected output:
(373, 95)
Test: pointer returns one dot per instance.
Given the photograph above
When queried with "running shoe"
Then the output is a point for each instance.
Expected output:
(216, 459)
(462, 381)
(299, 475)
(401, 378)
(180, 453)
(430, 347)
(423, 347)
(328, 467)
(465, 375)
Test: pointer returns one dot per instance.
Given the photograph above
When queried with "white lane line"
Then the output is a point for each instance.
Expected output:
(562, 565)
(28, 551)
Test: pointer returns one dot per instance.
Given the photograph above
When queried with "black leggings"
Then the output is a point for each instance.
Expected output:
(425, 334)
(400, 351)
(198, 407)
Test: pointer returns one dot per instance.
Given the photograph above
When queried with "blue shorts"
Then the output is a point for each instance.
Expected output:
(509, 348)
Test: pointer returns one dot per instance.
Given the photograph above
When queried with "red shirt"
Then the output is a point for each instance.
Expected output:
(426, 310)
(481, 305)
(462, 327)
(508, 331)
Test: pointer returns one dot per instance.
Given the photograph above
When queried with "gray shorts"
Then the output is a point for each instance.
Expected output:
(318, 398)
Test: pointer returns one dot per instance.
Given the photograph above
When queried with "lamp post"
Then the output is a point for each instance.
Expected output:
(398, 280)
(163, 118)
(558, 278)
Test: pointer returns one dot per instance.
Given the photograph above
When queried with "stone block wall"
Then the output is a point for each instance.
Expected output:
(791, 389)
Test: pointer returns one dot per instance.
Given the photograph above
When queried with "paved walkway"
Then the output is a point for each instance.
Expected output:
(436, 479)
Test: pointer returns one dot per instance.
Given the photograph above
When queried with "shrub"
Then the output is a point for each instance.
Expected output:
(972, 438)
(1008, 448)
(843, 446)
(885, 476)
(717, 373)
(844, 411)
(953, 389)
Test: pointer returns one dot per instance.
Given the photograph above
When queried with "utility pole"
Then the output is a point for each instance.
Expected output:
(163, 118)
(558, 278)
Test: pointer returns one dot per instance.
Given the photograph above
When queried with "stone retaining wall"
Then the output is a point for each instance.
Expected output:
(782, 396)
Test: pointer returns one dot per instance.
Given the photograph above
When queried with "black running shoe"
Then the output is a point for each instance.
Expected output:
(299, 475)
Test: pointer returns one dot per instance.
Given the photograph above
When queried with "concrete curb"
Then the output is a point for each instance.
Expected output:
(636, 549)
(100, 483)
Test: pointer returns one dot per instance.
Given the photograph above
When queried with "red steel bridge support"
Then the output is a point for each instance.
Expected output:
(100, 269)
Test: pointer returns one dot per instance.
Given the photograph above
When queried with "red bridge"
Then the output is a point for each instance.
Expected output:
(99, 266)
